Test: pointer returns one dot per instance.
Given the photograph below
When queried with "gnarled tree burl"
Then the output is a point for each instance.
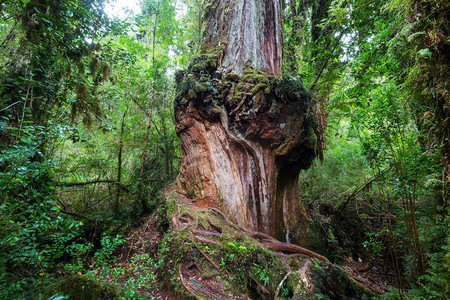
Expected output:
(246, 132)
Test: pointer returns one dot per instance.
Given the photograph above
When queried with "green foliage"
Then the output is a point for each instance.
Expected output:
(262, 273)
(109, 244)
(343, 166)
(34, 232)
(383, 66)
(77, 89)
(375, 243)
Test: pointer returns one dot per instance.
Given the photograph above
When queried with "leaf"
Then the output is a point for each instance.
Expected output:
(426, 52)
(26, 139)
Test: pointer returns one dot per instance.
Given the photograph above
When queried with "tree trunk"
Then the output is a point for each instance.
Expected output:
(245, 132)
(249, 31)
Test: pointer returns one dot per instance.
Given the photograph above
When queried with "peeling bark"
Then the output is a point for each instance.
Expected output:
(245, 133)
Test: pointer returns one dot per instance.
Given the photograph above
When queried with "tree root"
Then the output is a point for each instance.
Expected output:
(261, 236)
(294, 249)
(183, 282)
(281, 284)
(208, 241)
(206, 233)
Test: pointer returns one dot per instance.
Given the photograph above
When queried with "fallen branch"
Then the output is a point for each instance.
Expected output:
(85, 183)
(70, 184)
(360, 188)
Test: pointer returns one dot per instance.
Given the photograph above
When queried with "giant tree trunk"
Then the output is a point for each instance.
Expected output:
(246, 133)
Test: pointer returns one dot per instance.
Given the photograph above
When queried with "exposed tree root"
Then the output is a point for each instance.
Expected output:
(281, 284)
(206, 233)
(221, 253)
(183, 282)
(208, 241)
(295, 249)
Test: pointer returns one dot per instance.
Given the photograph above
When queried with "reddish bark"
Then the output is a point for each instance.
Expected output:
(249, 31)
(245, 139)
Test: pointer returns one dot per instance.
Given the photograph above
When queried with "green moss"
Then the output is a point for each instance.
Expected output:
(191, 94)
(203, 63)
(261, 78)
(259, 86)
(232, 77)
(201, 85)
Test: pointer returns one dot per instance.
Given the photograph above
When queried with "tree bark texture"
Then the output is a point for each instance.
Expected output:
(245, 133)
(249, 31)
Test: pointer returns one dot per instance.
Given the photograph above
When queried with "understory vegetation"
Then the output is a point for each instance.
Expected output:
(88, 145)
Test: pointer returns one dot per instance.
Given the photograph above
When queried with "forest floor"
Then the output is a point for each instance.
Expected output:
(140, 240)
(145, 239)
(373, 272)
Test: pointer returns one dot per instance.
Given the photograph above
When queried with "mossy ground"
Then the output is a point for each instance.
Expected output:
(205, 254)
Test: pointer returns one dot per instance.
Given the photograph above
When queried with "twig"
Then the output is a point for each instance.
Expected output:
(360, 188)
(17, 102)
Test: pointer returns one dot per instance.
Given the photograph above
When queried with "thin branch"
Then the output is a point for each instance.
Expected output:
(360, 188)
